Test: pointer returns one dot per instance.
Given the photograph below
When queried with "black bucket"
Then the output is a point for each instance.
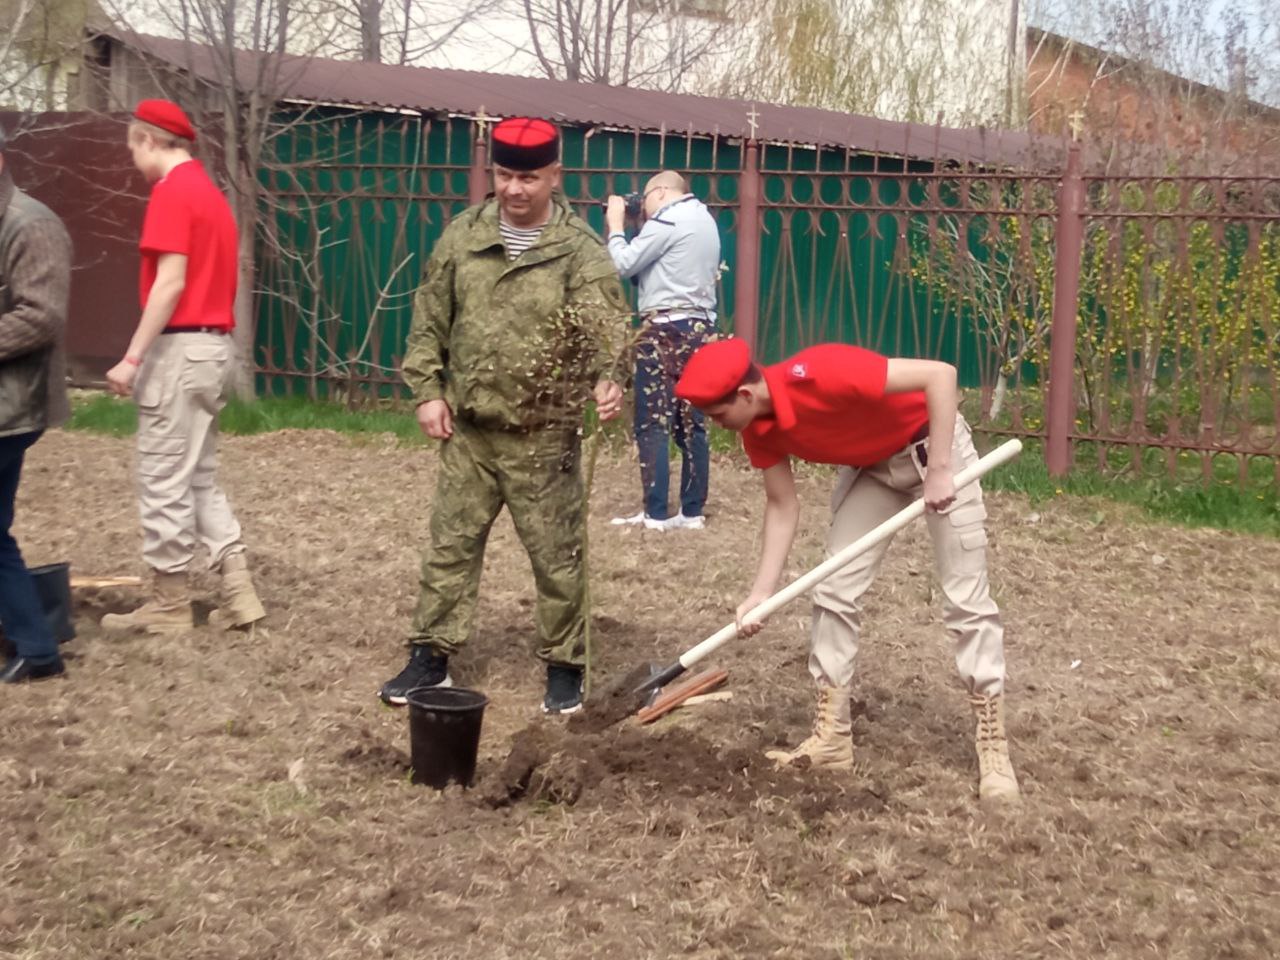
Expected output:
(53, 586)
(444, 734)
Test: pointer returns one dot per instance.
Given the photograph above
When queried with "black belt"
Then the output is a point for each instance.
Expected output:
(220, 331)
(917, 441)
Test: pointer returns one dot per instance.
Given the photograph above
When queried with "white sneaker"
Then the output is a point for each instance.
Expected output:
(651, 523)
(662, 526)
(690, 523)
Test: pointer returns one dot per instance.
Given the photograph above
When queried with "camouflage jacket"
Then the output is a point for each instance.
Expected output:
(515, 345)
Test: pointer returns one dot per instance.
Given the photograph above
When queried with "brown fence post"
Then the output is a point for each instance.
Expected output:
(746, 282)
(1069, 241)
(478, 175)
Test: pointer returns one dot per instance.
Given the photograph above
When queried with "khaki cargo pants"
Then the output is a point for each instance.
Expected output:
(537, 476)
(863, 499)
(179, 391)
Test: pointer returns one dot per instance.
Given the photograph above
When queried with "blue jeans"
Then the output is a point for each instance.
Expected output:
(661, 354)
(20, 612)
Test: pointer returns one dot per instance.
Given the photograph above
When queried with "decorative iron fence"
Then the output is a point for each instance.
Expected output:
(1133, 320)
(1178, 341)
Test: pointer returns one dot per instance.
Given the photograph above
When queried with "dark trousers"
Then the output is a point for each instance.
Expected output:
(20, 612)
(661, 354)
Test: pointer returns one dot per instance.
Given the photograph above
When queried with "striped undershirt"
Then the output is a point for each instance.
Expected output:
(518, 239)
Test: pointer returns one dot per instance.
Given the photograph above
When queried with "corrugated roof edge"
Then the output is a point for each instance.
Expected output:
(382, 86)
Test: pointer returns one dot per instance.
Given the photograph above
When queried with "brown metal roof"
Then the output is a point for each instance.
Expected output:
(428, 90)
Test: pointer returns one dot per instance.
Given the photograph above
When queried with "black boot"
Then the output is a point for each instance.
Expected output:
(425, 668)
(21, 669)
(53, 587)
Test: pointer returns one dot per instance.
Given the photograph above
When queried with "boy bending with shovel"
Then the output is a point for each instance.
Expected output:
(892, 427)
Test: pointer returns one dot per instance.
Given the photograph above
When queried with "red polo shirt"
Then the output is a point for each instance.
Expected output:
(188, 214)
(829, 406)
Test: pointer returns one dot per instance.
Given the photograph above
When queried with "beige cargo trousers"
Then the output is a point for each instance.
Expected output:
(863, 499)
(179, 391)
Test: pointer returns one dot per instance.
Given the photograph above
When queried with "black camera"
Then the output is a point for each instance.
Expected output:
(634, 205)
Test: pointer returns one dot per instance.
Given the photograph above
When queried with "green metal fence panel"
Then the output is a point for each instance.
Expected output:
(356, 202)
(353, 207)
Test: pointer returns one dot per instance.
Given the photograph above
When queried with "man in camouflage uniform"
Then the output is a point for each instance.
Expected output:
(509, 341)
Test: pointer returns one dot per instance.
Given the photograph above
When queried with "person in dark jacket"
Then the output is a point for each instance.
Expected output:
(35, 275)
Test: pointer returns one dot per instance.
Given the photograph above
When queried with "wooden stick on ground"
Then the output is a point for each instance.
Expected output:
(82, 583)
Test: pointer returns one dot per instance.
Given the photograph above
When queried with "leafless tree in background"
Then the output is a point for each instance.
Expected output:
(39, 41)
(405, 31)
(913, 60)
(655, 44)
(233, 66)
(1173, 85)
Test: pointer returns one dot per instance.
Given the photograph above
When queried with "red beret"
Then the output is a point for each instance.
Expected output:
(714, 371)
(525, 143)
(166, 115)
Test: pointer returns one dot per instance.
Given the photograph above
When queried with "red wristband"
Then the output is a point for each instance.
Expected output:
(133, 361)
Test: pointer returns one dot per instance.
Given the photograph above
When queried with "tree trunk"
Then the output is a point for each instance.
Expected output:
(242, 378)
(997, 397)
(371, 31)
(242, 375)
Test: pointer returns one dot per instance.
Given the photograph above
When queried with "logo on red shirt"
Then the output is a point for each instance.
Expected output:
(799, 371)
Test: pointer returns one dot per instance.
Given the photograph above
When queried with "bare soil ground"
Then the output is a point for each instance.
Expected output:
(218, 796)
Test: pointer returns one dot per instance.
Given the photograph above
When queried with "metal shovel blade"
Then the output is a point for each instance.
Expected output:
(657, 678)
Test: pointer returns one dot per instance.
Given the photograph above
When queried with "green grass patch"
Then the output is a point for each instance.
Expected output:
(269, 414)
(1221, 504)
(1186, 501)
(101, 413)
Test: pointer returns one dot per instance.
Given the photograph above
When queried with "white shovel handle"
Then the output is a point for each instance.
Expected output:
(1000, 455)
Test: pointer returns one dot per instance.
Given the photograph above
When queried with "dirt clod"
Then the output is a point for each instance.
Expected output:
(568, 765)
(619, 702)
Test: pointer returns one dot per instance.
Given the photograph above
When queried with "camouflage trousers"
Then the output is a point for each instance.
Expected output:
(538, 477)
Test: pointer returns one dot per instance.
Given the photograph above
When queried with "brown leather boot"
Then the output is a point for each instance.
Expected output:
(168, 610)
(996, 778)
(240, 604)
(830, 745)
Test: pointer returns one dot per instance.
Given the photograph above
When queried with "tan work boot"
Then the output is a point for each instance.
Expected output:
(997, 781)
(830, 745)
(240, 604)
(168, 610)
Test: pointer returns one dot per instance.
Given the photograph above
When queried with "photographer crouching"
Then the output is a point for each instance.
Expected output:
(674, 259)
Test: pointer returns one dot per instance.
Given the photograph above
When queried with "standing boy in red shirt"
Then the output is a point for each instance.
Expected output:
(893, 428)
(176, 368)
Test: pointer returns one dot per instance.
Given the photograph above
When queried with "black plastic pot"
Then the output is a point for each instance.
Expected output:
(444, 734)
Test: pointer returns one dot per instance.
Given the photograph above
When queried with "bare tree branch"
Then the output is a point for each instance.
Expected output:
(655, 44)
(39, 41)
(1161, 86)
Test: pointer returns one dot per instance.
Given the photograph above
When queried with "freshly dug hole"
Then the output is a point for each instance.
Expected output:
(561, 764)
